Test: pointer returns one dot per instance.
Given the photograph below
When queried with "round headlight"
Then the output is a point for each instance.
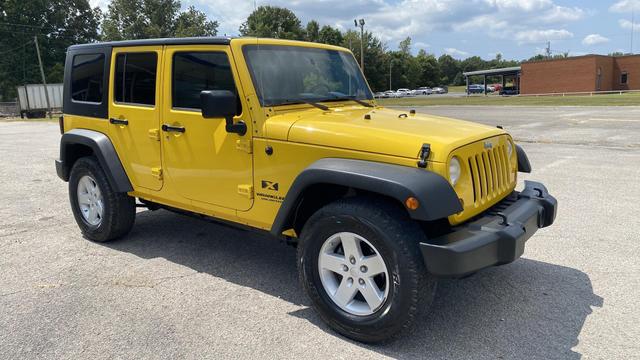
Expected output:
(454, 170)
(509, 148)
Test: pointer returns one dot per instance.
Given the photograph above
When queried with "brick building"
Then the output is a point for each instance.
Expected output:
(581, 74)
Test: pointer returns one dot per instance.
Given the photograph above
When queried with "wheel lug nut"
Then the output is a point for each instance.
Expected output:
(345, 268)
(352, 260)
(361, 282)
(363, 269)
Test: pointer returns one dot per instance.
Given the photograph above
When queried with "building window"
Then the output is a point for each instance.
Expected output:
(87, 78)
(623, 78)
(135, 79)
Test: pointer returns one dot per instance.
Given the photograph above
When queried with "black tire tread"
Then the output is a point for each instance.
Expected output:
(392, 220)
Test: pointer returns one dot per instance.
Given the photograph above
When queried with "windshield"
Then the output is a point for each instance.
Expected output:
(293, 74)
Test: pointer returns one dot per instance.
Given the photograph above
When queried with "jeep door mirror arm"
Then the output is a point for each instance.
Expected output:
(222, 103)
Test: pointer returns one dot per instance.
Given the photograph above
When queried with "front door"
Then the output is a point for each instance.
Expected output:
(204, 162)
(134, 115)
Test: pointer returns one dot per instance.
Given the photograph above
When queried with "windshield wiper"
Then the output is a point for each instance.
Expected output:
(342, 98)
(312, 103)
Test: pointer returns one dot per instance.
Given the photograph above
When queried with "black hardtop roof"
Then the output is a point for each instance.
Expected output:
(216, 40)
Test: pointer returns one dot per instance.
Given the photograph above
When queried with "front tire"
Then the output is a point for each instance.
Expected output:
(101, 213)
(360, 265)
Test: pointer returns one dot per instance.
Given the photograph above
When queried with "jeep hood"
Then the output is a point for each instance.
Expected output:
(389, 132)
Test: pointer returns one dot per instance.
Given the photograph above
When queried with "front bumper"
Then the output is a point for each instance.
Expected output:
(497, 237)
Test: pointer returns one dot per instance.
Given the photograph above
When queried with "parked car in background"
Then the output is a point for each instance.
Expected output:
(391, 94)
(475, 89)
(381, 95)
(422, 91)
(440, 90)
(497, 87)
(491, 88)
(510, 90)
(403, 92)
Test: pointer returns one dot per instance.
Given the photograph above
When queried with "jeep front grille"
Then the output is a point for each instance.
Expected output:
(489, 171)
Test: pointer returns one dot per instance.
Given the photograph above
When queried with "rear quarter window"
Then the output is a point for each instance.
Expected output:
(87, 78)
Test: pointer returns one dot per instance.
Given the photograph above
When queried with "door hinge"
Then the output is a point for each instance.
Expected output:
(157, 172)
(246, 190)
(154, 134)
(244, 145)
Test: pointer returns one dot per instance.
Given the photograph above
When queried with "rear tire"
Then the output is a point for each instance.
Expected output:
(383, 229)
(101, 213)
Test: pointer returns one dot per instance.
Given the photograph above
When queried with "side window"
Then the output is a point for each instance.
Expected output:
(194, 72)
(624, 78)
(135, 78)
(87, 76)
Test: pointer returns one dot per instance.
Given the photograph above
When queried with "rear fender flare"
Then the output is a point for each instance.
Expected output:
(102, 149)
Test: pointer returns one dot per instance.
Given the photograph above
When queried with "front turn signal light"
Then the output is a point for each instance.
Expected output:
(412, 203)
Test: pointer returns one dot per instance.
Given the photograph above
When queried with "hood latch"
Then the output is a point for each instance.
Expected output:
(424, 155)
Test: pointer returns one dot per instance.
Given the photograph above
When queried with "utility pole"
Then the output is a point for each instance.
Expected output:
(361, 25)
(548, 50)
(44, 80)
(390, 63)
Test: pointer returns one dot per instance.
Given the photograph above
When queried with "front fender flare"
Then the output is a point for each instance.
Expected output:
(436, 196)
(523, 161)
(102, 149)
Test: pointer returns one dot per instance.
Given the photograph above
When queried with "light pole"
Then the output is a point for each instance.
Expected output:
(361, 25)
(390, 62)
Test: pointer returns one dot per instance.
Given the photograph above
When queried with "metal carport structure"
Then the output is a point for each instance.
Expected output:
(502, 72)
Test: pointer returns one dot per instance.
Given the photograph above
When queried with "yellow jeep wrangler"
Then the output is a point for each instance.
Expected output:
(285, 137)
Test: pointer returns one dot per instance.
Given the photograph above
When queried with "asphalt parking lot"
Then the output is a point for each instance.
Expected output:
(177, 287)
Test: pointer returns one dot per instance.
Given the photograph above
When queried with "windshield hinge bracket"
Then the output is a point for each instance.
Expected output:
(244, 145)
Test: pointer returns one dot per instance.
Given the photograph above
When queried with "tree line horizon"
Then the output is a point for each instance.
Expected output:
(59, 24)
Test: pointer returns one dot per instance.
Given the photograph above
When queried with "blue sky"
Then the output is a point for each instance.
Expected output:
(518, 29)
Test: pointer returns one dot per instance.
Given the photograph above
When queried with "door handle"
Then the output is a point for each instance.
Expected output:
(169, 128)
(119, 121)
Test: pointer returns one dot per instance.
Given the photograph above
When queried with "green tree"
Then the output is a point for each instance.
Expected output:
(405, 46)
(331, 36)
(57, 23)
(313, 31)
(273, 22)
(430, 74)
(143, 19)
(449, 68)
(194, 23)
(538, 57)
(374, 56)
(124, 19)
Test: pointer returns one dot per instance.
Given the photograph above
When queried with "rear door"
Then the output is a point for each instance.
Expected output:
(134, 115)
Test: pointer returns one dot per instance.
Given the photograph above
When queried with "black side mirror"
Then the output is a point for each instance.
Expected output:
(222, 103)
